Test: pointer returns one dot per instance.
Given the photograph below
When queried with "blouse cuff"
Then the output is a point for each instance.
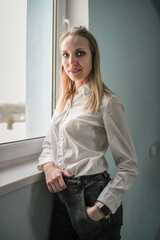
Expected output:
(40, 165)
(111, 201)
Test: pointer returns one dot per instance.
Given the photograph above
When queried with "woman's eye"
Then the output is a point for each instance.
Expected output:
(65, 54)
(80, 53)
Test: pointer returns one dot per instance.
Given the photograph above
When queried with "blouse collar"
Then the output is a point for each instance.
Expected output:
(85, 89)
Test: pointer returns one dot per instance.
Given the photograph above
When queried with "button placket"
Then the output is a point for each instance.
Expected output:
(60, 141)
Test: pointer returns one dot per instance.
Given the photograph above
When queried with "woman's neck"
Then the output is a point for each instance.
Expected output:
(79, 84)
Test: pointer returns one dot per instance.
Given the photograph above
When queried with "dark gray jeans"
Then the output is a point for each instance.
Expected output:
(70, 220)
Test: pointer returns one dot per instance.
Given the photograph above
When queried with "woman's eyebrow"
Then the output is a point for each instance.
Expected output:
(78, 49)
(64, 51)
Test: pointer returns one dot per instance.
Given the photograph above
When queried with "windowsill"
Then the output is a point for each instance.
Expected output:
(18, 164)
(20, 175)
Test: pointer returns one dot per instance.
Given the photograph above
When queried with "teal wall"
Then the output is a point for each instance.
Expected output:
(128, 33)
(25, 214)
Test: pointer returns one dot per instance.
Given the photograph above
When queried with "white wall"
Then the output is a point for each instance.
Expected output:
(77, 12)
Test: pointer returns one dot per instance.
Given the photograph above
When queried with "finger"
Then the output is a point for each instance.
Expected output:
(62, 183)
(53, 188)
(57, 186)
(59, 182)
(50, 188)
(66, 174)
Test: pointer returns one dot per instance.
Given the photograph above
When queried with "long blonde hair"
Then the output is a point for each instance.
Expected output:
(97, 86)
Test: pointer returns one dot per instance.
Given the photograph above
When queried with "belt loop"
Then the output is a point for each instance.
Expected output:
(105, 174)
(80, 181)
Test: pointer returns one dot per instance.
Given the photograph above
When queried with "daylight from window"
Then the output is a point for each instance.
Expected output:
(13, 69)
(26, 69)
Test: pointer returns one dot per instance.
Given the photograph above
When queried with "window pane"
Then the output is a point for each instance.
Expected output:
(26, 68)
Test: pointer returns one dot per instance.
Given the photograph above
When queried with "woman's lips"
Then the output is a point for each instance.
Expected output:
(75, 71)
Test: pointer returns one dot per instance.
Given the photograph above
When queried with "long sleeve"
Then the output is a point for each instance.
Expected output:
(123, 152)
(46, 155)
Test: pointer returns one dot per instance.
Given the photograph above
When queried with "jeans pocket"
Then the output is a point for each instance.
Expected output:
(93, 190)
(84, 208)
(90, 193)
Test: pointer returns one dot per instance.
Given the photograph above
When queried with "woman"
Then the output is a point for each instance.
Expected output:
(88, 119)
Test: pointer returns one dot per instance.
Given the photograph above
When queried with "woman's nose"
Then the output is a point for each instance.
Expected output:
(73, 60)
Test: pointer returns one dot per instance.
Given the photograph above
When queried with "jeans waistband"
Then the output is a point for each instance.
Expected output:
(83, 180)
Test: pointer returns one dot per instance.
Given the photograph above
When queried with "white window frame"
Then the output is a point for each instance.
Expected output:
(23, 155)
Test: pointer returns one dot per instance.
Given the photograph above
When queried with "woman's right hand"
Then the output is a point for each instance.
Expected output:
(54, 177)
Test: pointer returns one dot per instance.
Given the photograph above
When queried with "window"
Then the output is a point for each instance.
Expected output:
(29, 69)
(26, 68)
(29, 79)
(29, 59)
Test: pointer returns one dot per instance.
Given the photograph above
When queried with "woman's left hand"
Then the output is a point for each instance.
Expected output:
(94, 213)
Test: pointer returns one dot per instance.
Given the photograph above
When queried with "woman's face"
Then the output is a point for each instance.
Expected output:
(76, 58)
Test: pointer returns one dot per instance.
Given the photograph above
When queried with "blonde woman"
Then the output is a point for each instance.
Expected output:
(88, 119)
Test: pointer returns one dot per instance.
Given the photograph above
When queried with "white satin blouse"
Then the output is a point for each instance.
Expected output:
(77, 142)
